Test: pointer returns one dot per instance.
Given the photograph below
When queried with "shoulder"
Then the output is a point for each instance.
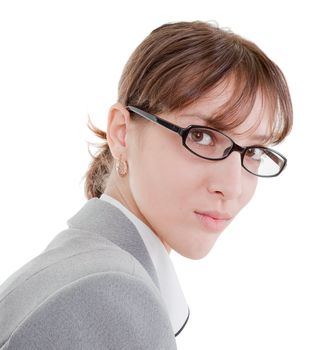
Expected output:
(74, 271)
(105, 310)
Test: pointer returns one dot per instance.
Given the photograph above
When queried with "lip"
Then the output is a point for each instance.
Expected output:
(211, 223)
(215, 215)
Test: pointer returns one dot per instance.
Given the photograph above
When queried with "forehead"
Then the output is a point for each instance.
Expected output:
(256, 125)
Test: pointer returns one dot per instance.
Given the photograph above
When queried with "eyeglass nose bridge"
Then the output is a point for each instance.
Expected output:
(235, 148)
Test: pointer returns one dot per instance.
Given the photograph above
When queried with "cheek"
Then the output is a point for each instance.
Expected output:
(158, 178)
(249, 188)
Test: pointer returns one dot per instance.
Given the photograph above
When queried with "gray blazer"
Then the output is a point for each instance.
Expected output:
(93, 287)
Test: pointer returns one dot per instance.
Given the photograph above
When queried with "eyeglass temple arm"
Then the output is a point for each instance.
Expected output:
(156, 119)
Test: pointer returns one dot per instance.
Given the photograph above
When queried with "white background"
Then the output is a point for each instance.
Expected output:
(267, 282)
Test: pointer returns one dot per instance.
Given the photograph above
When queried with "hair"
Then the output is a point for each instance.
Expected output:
(178, 63)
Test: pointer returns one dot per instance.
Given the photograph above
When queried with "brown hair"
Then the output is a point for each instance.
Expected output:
(176, 64)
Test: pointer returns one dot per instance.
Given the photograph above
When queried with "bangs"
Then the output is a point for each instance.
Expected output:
(246, 88)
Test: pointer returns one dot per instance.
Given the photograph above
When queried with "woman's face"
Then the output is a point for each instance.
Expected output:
(168, 185)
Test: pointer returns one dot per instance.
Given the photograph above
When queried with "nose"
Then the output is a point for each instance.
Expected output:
(228, 177)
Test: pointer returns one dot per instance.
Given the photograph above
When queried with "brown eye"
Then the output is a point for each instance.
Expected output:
(201, 137)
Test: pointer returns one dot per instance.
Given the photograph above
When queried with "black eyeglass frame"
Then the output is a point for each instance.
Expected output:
(183, 132)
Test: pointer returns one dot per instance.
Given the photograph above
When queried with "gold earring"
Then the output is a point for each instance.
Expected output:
(121, 167)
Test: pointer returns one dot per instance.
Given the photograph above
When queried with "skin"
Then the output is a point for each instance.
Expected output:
(166, 183)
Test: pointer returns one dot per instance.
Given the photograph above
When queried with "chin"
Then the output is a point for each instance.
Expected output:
(195, 254)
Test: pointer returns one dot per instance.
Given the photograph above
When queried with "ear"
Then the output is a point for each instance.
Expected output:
(117, 128)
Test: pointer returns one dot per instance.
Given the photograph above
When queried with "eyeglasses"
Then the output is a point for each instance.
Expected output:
(212, 144)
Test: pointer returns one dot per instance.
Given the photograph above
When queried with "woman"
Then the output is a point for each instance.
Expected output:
(198, 110)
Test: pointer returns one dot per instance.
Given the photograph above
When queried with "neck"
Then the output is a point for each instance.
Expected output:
(121, 193)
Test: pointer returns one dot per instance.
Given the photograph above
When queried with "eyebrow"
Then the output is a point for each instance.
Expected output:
(199, 115)
(263, 139)
(208, 120)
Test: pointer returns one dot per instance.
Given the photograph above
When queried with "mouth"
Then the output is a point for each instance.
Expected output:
(217, 215)
(212, 223)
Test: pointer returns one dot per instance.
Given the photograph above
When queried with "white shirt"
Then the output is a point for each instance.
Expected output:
(170, 288)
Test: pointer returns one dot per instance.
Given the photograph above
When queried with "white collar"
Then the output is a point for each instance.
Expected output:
(170, 288)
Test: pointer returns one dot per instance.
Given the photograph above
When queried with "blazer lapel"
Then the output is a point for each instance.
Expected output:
(103, 218)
